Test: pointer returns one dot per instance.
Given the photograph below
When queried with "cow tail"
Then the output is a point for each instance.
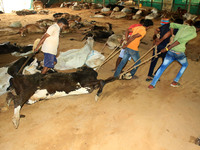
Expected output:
(102, 84)
(110, 79)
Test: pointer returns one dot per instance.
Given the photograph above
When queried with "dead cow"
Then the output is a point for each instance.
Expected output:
(7, 47)
(38, 5)
(31, 28)
(45, 23)
(99, 33)
(53, 85)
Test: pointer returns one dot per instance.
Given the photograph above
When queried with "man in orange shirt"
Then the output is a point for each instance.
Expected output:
(131, 47)
(127, 35)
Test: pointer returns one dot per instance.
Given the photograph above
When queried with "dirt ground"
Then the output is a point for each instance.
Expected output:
(127, 116)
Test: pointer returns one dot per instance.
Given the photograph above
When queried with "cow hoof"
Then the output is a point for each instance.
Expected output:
(30, 102)
(15, 122)
(96, 98)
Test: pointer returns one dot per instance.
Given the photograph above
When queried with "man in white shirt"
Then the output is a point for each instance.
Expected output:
(50, 42)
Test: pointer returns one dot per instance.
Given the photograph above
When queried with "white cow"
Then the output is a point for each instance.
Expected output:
(76, 58)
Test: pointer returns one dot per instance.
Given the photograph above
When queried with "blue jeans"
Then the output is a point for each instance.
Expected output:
(128, 53)
(170, 57)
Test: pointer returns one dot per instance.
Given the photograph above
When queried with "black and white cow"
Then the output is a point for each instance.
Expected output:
(16, 66)
(38, 86)
(99, 33)
(7, 47)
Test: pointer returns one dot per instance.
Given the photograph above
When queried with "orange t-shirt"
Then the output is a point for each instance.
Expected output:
(135, 43)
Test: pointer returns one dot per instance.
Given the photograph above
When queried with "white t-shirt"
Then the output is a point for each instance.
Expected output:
(50, 45)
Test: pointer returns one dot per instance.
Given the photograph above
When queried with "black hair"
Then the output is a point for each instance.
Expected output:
(147, 23)
(197, 24)
(179, 21)
(142, 21)
(63, 20)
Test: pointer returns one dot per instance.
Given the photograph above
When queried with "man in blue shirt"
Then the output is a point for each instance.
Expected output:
(165, 34)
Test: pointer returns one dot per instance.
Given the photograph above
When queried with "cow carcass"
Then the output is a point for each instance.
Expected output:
(99, 34)
(76, 58)
(118, 15)
(7, 47)
(38, 86)
(76, 6)
(137, 15)
(31, 28)
(8, 31)
(45, 23)
(126, 10)
(6, 73)
(114, 41)
(189, 16)
(105, 9)
(16, 24)
(96, 6)
(153, 15)
(58, 16)
(25, 12)
(38, 5)
(112, 6)
(16, 66)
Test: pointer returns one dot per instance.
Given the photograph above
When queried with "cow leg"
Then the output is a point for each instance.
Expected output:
(101, 85)
(16, 116)
(10, 86)
(19, 101)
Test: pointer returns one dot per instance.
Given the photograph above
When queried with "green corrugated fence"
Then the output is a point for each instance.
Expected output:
(194, 8)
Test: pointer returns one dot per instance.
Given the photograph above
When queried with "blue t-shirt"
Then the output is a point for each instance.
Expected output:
(163, 30)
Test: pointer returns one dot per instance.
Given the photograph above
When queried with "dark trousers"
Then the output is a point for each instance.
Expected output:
(154, 62)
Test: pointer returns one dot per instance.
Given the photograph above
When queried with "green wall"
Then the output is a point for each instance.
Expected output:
(194, 9)
(106, 1)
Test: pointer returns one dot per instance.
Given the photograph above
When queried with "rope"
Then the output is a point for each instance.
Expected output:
(130, 68)
(109, 57)
(22, 67)
(142, 63)
(112, 54)
(103, 47)
(156, 49)
(156, 54)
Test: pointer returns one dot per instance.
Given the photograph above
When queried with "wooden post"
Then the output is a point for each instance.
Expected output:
(189, 6)
(138, 4)
(103, 3)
